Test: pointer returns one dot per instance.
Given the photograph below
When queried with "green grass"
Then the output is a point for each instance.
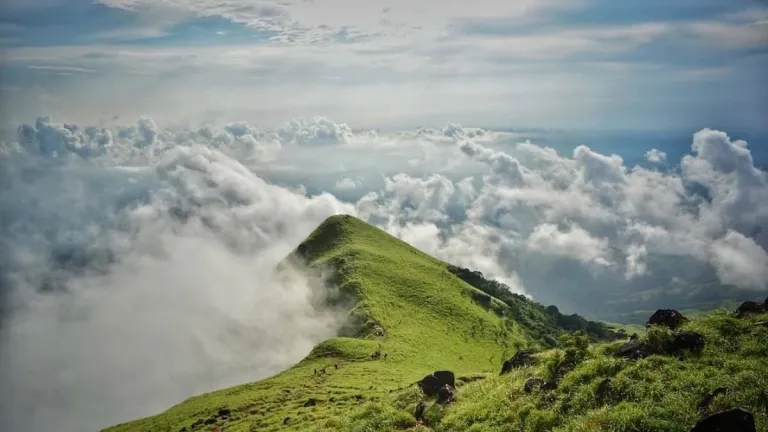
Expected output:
(434, 320)
(659, 393)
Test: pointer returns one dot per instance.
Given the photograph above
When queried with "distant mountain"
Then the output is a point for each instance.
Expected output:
(410, 315)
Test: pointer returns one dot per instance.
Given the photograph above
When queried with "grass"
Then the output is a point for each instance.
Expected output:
(421, 317)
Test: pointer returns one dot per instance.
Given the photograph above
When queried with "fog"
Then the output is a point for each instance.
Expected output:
(137, 261)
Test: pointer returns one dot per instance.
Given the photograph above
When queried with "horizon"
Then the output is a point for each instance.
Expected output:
(156, 156)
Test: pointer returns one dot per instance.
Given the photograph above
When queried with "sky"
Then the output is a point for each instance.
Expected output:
(159, 157)
(593, 64)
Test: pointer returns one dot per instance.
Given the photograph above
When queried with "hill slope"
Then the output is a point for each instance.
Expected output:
(416, 311)
(411, 314)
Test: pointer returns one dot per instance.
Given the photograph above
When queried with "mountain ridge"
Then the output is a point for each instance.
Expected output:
(409, 314)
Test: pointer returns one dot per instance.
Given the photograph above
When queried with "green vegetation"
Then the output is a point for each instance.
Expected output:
(409, 315)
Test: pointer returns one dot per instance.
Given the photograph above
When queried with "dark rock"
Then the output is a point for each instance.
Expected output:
(445, 395)
(687, 340)
(224, 412)
(732, 420)
(536, 382)
(446, 377)
(469, 379)
(703, 405)
(521, 359)
(634, 350)
(310, 402)
(286, 420)
(431, 384)
(209, 421)
(749, 307)
(667, 318)
(418, 413)
(197, 423)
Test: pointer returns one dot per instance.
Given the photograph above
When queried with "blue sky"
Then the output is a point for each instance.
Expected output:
(680, 64)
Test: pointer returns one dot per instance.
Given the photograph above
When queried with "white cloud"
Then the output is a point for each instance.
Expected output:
(740, 261)
(184, 207)
(347, 183)
(656, 156)
(573, 242)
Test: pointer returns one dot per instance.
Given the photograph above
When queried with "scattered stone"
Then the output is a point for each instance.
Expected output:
(209, 421)
(224, 412)
(634, 350)
(634, 336)
(703, 405)
(521, 359)
(687, 340)
(183, 429)
(197, 423)
(418, 413)
(333, 399)
(286, 420)
(732, 420)
(445, 395)
(667, 318)
(532, 383)
(431, 384)
(310, 402)
(536, 382)
(749, 307)
(358, 397)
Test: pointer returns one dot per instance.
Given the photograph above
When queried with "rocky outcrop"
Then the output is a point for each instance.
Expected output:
(667, 318)
(732, 420)
(750, 307)
(686, 340)
(521, 359)
(433, 383)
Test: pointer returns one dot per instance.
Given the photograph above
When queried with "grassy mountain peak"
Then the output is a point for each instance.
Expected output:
(409, 315)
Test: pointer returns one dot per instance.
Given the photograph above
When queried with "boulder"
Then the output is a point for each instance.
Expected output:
(224, 412)
(687, 340)
(432, 383)
(532, 383)
(703, 405)
(536, 382)
(749, 307)
(667, 318)
(634, 349)
(521, 359)
(732, 420)
(445, 395)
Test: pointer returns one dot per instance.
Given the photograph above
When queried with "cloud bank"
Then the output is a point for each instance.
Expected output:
(140, 257)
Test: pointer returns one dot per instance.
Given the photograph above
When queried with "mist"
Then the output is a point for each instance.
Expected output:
(137, 261)
(127, 290)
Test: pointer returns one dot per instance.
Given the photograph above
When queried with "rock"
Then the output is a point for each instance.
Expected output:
(209, 421)
(418, 413)
(224, 412)
(634, 349)
(667, 318)
(445, 395)
(687, 340)
(749, 307)
(286, 420)
(536, 382)
(532, 383)
(521, 359)
(310, 402)
(732, 420)
(703, 405)
(431, 384)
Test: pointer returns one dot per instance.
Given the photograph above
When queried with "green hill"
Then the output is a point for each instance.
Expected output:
(411, 314)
